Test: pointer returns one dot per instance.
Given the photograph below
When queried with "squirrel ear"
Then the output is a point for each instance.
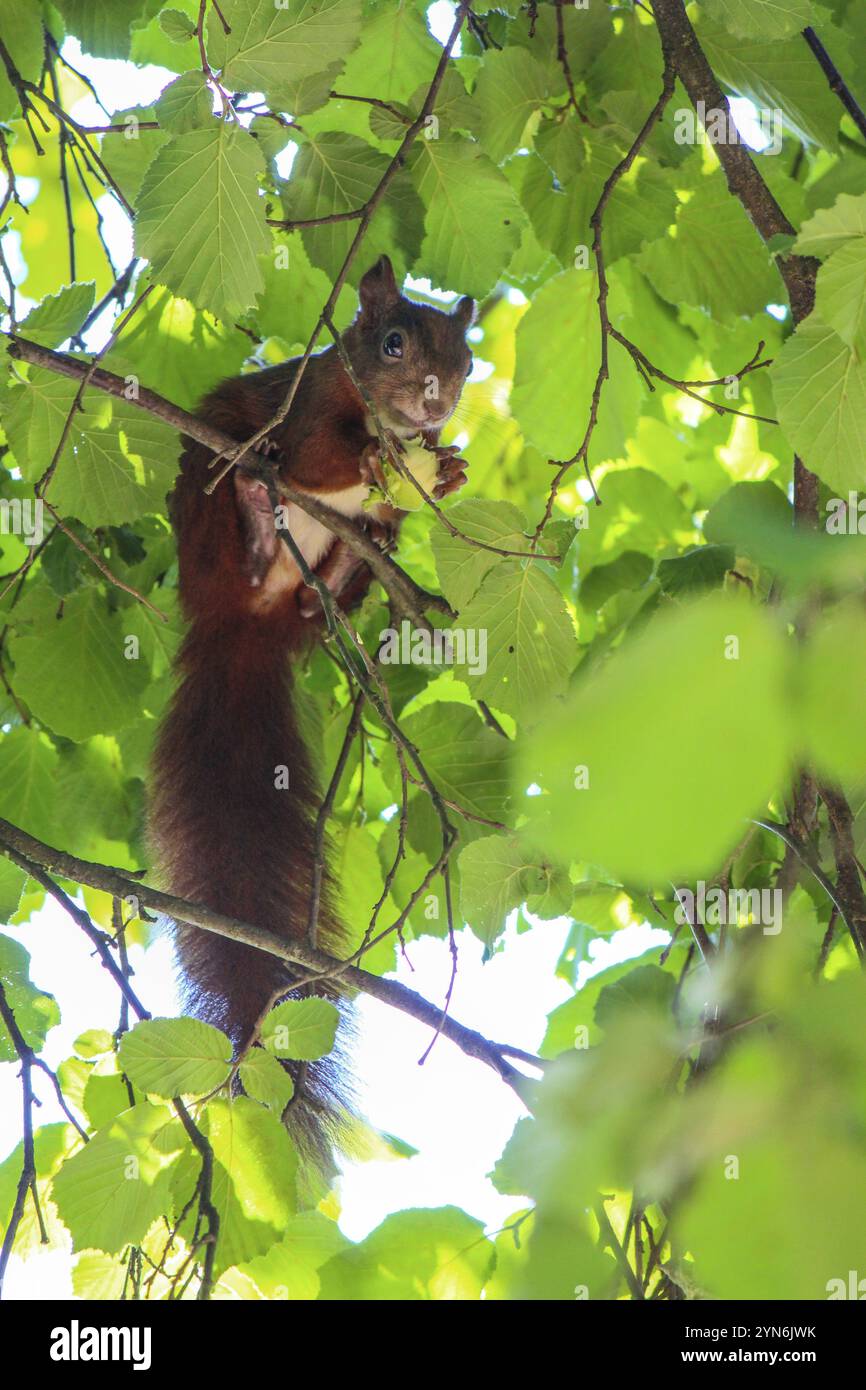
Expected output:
(378, 289)
(464, 312)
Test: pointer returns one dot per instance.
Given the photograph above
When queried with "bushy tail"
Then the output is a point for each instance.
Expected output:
(232, 821)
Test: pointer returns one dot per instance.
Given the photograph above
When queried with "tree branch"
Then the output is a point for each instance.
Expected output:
(35, 855)
(799, 274)
(836, 81)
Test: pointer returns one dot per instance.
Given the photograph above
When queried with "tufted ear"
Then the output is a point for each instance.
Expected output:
(464, 312)
(378, 289)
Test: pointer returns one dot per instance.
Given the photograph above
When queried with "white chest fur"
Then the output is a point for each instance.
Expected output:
(312, 539)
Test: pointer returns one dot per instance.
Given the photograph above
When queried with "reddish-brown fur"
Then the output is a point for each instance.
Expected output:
(226, 831)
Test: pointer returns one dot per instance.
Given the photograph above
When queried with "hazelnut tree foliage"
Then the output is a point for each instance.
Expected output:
(676, 651)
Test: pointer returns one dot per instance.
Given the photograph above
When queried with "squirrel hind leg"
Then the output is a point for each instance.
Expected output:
(259, 533)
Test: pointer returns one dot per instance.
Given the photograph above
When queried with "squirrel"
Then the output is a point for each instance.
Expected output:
(224, 831)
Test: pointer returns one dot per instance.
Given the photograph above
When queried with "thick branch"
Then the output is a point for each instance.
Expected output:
(798, 272)
(850, 887)
(743, 176)
(17, 844)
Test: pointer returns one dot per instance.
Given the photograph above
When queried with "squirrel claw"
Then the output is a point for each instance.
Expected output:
(267, 448)
(453, 485)
(452, 472)
(371, 467)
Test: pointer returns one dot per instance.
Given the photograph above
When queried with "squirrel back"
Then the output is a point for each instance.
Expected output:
(234, 796)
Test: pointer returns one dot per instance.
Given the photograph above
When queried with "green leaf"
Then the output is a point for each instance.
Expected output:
(748, 1229)
(271, 48)
(641, 206)
(301, 1028)
(60, 315)
(21, 32)
(525, 647)
(439, 1253)
(103, 30)
(118, 462)
(395, 54)
(295, 290)
(841, 294)
(28, 790)
(12, 880)
(201, 221)
(35, 1011)
(830, 228)
(105, 1097)
(265, 1080)
(643, 988)
(175, 1056)
(176, 25)
(762, 504)
(574, 1024)
(288, 1270)
(253, 1182)
(185, 104)
(586, 31)
(638, 512)
(75, 676)
(358, 872)
(180, 351)
(833, 669)
(129, 152)
(613, 750)
(739, 277)
(334, 172)
(111, 1191)
(467, 762)
(702, 568)
(630, 570)
(778, 75)
(93, 1042)
(99, 1276)
(462, 566)
(761, 19)
(497, 874)
(454, 108)
(511, 85)
(50, 1144)
(819, 385)
(562, 326)
(473, 222)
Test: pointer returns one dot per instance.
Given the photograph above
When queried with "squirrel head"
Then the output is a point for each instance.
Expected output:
(412, 359)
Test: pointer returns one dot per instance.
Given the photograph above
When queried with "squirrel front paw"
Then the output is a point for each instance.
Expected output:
(268, 448)
(371, 467)
(452, 470)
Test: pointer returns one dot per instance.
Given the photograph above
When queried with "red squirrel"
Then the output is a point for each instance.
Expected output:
(225, 831)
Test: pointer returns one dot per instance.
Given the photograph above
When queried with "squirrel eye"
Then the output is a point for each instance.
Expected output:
(393, 345)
